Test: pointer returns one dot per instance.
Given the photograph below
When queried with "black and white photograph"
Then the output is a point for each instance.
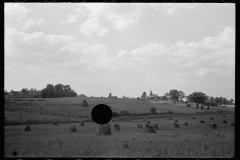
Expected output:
(119, 80)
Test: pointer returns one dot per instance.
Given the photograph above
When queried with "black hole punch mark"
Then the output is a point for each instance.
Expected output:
(101, 114)
(15, 153)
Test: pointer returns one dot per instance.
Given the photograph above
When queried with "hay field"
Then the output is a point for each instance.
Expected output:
(47, 140)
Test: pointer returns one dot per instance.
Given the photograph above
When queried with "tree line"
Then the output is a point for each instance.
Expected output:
(196, 97)
(57, 91)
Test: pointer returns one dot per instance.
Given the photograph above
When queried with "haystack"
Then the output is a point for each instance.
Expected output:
(185, 124)
(155, 126)
(82, 124)
(27, 128)
(201, 121)
(113, 120)
(148, 128)
(170, 118)
(116, 127)
(139, 125)
(193, 117)
(104, 129)
(72, 129)
(233, 124)
(55, 123)
(224, 122)
(176, 121)
(176, 125)
(212, 118)
(212, 126)
(84, 103)
(145, 119)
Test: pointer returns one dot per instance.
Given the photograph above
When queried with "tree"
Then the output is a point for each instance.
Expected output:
(164, 98)
(224, 100)
(153, 110)
(150, 94)
(110, 95)
(181, 95)
(44, 93)
(211, 100)
(24, 91)
(167, 95)
(144, 95)
(216, 100)
(198, 98)
(59, 87)
(173, 94)
(231, 101)
(50, 94)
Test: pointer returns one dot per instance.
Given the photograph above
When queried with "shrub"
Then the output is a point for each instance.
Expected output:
(188, 105)
(124, 113)
(115, 114)
(207, 108)
(201, 107)
(153, 110)
(169, 112)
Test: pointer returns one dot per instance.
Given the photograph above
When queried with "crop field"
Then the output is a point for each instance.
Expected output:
(47, 140)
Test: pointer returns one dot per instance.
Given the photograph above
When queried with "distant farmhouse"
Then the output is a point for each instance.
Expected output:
(19, 94)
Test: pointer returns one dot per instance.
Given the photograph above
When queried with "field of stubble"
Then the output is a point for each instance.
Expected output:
(193, 141)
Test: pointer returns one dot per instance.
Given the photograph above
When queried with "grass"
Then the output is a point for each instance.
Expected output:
(47, 140)
(168, 142)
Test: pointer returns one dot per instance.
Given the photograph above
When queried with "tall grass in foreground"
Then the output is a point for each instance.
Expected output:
(165, 144)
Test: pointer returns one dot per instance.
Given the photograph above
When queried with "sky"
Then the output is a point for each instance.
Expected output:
(123, 49)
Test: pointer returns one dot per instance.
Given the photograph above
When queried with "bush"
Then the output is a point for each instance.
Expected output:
(169, 112)
(115, 114)
(124, 113)
(153, 110)
(188, 105)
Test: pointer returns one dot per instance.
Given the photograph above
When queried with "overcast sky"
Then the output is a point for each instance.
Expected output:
(123, 49)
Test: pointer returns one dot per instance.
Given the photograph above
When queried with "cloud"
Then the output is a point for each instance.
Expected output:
(35, 42)
(172, 7)
(122, 16)
(15, 16)
(221, 46)
(92, 26)
(227, 62)
(148, 73)
(190, 64)
(181, 75)
(70, 19)
(203, 71)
